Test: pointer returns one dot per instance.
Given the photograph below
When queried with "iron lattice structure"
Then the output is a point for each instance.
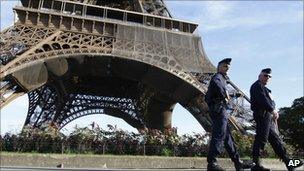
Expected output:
(129, 59)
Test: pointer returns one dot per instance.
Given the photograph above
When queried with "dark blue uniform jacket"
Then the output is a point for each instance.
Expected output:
(217, 89)
(260, 98)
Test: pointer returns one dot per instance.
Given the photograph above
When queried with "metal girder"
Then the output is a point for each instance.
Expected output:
(48, 106)
(76, 40)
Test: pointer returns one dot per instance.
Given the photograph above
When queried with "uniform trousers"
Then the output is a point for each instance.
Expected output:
(266, 130)
(221, 135)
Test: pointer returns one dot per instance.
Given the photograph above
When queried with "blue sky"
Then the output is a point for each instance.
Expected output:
(255, 34)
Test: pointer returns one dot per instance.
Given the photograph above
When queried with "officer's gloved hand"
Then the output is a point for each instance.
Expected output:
(237, 94)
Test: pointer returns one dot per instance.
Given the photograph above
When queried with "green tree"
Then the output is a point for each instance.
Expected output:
(291, 123)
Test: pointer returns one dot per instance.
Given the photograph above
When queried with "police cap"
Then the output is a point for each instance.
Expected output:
(266, 71)
(225, 61)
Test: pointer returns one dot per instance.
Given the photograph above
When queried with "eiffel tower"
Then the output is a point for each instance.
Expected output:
(124, 58)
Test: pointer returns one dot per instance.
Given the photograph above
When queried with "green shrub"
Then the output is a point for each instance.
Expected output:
(115, 141)
(166, 152)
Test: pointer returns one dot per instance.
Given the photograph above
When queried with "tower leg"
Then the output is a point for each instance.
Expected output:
(43, 104)
(160, 114)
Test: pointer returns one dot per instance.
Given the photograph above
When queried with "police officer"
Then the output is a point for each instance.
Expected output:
(217, 98)
(265, 116)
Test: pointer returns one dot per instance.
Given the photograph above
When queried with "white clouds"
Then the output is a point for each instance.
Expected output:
(7, 15)
(13, 115)
(215, 16)
(185, 122)
(218, 9)
(219, 15)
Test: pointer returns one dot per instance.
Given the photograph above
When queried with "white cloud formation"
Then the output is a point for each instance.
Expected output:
(217, 15)
(254, 21)
(13, 115)
(7, 17)
(218, 9)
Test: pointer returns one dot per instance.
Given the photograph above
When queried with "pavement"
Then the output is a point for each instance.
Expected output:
(98, 169)
(89, 169)
(55, 162)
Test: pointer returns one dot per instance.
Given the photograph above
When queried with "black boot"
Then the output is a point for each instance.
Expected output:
(214, 167)
(258, 166)
(241, 165)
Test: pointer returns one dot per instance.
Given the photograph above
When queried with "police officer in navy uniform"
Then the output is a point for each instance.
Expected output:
(265, 116)
(217, 98)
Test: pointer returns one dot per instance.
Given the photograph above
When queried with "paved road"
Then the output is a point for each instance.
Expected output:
(73, 169)
(70, 169)
(98, 169)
